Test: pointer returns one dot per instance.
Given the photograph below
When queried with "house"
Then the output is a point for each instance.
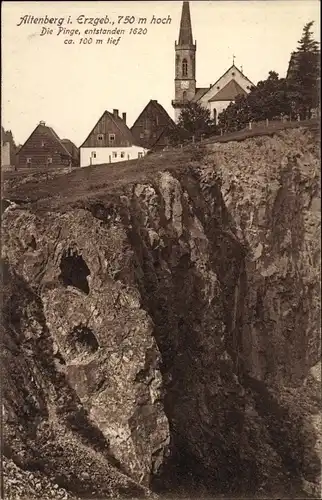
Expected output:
(43, 148)
(110, 141)
(153, 126)
(217, 96)
(5, 150)
(73, 150)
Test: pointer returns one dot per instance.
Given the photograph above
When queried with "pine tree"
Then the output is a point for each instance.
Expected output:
(304, 73)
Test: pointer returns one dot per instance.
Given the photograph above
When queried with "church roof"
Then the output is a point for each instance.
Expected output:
(229, 92)
(185, 34)
(199, 93)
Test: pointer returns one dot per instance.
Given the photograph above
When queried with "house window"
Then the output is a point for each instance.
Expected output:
(114, 154)
(93, 154)
(218, 87)
(184, 96)
(100, 137)
(43, 144)
(111, 137)
(28, 160)
(215, 115)
(141, 136)
(140, 155)
(122, 154)
(184, 67)
(49, 160)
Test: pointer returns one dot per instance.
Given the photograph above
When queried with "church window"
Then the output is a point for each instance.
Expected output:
(218, 87)
(233, 73)
(100, 137)
(184, 67)
(112, 137)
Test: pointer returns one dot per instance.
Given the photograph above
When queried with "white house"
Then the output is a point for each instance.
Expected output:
(110, 141)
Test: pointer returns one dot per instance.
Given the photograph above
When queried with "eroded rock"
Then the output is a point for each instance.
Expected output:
(180, 327)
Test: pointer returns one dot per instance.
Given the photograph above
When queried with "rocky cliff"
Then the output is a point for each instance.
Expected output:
(161, 324)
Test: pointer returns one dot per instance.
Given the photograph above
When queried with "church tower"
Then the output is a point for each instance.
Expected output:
(185, 63)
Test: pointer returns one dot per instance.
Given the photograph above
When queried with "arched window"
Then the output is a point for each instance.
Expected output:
(215, 115)
(184, 67)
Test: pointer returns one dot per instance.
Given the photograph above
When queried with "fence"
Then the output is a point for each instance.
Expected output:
(252, 129)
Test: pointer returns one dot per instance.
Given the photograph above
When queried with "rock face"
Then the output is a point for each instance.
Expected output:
(167, 336)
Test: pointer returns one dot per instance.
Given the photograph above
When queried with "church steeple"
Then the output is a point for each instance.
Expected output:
(185, 34)
(185, 63)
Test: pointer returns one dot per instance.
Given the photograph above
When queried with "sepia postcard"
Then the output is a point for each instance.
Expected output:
(160, 246)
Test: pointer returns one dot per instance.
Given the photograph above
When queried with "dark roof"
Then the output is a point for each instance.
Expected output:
(44, 129)
(70, 146)
(199, 93)
(121, 125)
(185, 34)
(229, 92)
(159, 108)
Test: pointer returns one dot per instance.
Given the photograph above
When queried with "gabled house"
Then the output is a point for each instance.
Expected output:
(5, 150)
(73, 150)
(218, 96)
(110, 141)
(43, 148)
(152, 128)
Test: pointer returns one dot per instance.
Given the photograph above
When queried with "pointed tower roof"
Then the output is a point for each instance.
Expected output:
(185, 34)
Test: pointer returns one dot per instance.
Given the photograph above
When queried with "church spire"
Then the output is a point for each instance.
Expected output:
(185, 34)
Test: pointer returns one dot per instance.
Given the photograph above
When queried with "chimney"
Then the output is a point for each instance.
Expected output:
(42, 123)
(124, 117)
(115, 113)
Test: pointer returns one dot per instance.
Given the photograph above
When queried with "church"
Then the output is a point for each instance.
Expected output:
(216, 97)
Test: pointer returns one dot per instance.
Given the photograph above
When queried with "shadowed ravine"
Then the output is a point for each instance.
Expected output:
(161, 331)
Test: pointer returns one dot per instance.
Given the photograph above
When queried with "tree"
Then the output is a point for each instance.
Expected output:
(304, 74)
(194, 121)
(267, 100)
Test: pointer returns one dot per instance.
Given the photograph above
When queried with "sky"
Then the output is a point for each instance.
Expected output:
(70, 85)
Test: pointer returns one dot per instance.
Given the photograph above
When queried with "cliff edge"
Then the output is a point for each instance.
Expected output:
(161, 324)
